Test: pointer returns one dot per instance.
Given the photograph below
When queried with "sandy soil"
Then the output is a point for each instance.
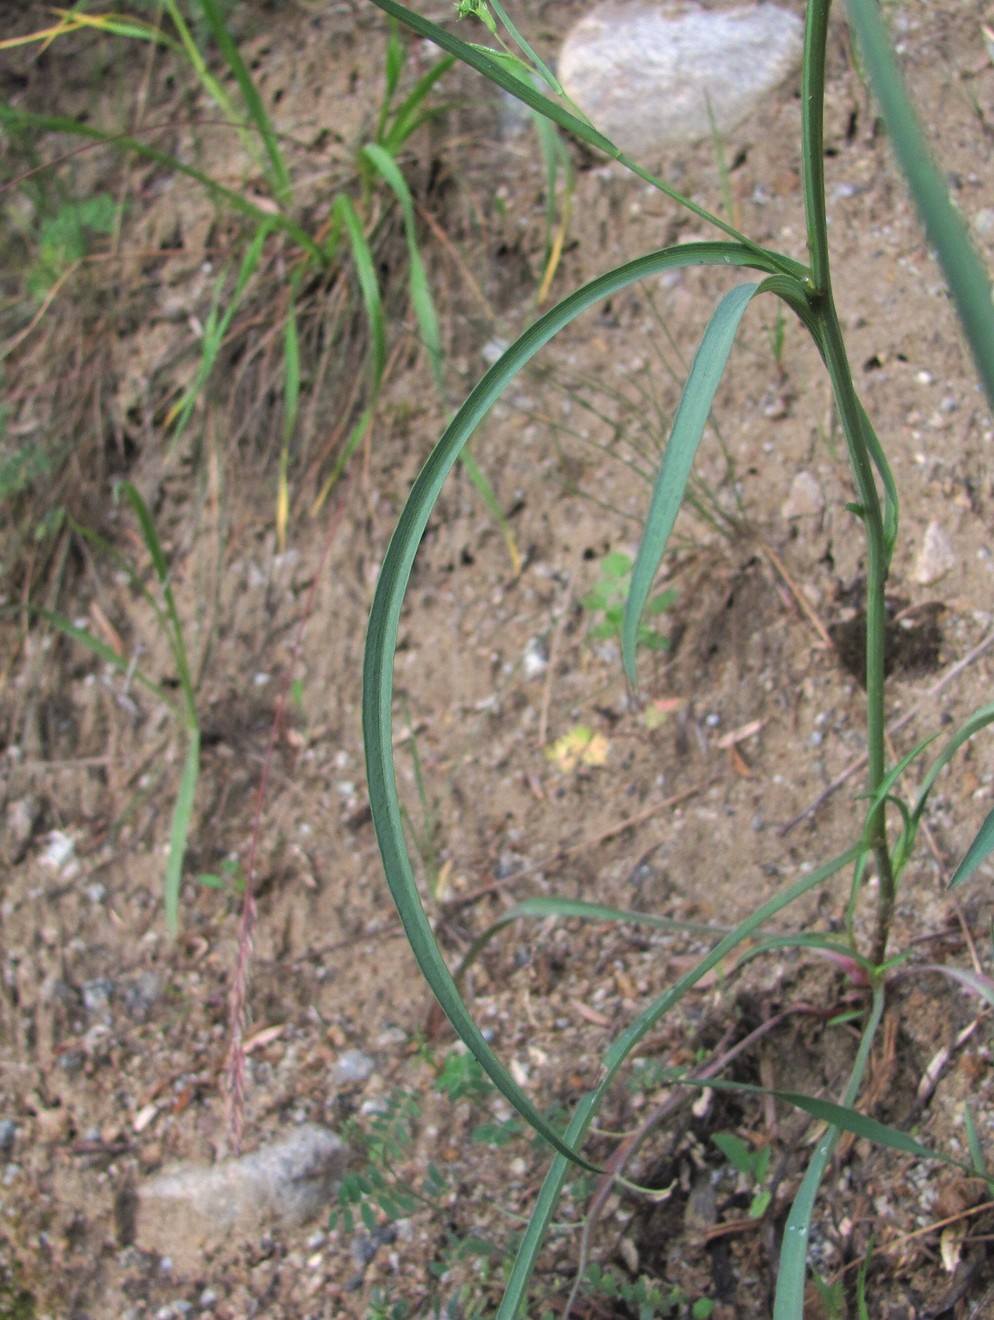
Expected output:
(114, 1038)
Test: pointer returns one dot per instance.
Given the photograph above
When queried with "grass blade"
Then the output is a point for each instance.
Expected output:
(515, 1295)
(369, 285)
(216, 329)
(180, 831)
(792, 1276)
(977, 853)
(280, 178)
(384, 622)
(16, 121)
(174, 632)
(671, 484)
(536, 63)
(978, 720)
(490, 66)
(969, 283)
(409, 115)
(104, 652)
(421, 299)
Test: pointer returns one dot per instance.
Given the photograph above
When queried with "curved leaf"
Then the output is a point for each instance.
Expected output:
(977, 721)
(384, 623)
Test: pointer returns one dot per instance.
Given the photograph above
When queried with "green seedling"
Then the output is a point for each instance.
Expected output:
(752, 1164)
(610, 599)
(65, 238)
(648, 1298)
(228, 879)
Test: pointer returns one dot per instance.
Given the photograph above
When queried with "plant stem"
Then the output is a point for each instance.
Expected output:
(855, 428)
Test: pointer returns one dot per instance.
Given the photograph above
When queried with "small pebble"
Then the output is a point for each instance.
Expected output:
(936, 557)
(535, 660)
(352, 1066)
(8, 1135)
(97, 995)
(806, 498)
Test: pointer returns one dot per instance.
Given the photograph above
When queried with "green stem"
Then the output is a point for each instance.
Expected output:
(858, 441)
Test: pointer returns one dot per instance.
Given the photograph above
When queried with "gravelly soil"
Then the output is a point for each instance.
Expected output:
(112, 1059)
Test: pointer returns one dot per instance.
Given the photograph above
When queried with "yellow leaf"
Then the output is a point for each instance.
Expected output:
(580, 747)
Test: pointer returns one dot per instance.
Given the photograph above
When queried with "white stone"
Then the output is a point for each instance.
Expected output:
(806, 498)
(936, 557)
(191, 1208)
(644, 74)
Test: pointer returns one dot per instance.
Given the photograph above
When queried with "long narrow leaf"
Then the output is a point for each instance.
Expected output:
(17, 121)
(180, 831)
(217, 327)
(969, 283)
(384, 622)
(792, 1275)
(174, 632)
(421, 299)
(487, 63)
(588, 1107)
(369, 285)
(107, 653)
(980, 719)
(280, 180)
(977, 853)
(678, 461)
(537, 63)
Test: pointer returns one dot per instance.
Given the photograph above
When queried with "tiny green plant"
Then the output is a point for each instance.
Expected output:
(887, 821)
(753, 1165)
(609, 598)
(648, 1298)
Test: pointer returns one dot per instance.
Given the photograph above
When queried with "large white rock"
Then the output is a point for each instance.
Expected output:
(188, 1210)
(644, 73)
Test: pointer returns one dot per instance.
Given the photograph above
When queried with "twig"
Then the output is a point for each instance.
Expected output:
(557, 632)
(802, 601)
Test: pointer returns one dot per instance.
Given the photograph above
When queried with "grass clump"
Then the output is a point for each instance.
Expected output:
(886, 823)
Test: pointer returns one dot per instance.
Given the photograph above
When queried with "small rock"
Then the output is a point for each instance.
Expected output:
(352, 1066)
(645, 74)
(59, 853)
(983, 223)
(97, 995)
(141, 995)
(936, 557)
(8, 1135)
(535, 660)
(21, 818)
(806, 498)
(186, 1211)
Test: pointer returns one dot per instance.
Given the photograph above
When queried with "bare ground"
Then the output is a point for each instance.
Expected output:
(115, 1038)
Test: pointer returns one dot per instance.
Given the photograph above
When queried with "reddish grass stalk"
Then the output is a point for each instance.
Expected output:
(234, 1100)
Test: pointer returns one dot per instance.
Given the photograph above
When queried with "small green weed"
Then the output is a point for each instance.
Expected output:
(753, 1165)
(649, 1298)
(609, 598)
(66, 236)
